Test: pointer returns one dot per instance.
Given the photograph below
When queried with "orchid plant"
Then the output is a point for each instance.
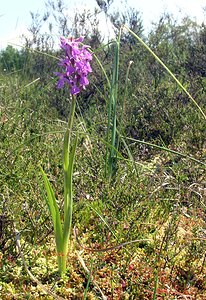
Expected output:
(76, 67)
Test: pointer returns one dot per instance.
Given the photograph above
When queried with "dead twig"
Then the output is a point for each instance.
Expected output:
(109, 248)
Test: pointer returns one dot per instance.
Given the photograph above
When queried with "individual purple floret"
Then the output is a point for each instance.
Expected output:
(76, 64)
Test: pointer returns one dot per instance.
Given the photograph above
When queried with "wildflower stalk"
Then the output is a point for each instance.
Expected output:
(76, 68)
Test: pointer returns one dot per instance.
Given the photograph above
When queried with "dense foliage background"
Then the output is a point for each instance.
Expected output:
(153, 187)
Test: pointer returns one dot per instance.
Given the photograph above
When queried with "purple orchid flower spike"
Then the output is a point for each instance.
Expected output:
(76, 64)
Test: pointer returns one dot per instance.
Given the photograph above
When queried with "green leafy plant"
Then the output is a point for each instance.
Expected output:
(77, 66)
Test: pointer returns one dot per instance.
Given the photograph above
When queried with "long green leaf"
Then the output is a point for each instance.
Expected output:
(54, 211)
(166, 149)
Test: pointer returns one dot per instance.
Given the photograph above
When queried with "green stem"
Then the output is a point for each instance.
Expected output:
(66, 155)
(68, 162)
(68, 212)
(112, 115)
